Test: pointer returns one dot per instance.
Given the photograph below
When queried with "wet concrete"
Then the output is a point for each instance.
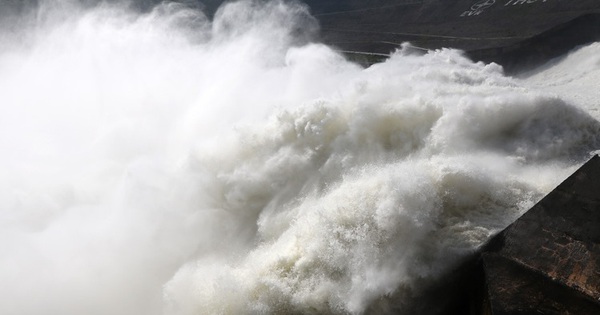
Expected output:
(548, 261)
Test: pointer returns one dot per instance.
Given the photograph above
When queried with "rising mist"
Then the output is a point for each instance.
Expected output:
(165, 162)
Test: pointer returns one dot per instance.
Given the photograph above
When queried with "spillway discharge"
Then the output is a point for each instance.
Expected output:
(166, 162)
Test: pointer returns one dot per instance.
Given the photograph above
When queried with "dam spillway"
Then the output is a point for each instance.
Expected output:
(514, 33)
(505, 31)
(548, 261)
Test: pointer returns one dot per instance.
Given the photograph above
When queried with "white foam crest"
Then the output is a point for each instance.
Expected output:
(378, 190)
(163, 163)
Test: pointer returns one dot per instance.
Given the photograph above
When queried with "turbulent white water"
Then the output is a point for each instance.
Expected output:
(162, 163)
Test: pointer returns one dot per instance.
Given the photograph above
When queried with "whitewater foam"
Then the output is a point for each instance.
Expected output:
(164, 163)
(573, 77)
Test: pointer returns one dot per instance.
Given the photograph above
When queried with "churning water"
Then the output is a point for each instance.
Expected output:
(165, 163)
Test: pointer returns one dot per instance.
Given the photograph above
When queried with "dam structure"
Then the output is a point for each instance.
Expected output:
(514, 33)
(486, 25)
(548, 261)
